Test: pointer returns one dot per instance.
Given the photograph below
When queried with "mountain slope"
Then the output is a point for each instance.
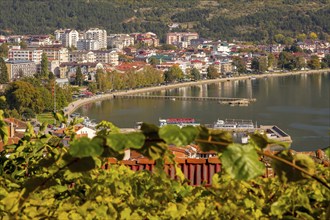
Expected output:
(225, 19)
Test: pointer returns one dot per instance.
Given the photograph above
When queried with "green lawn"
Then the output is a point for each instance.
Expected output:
(45, 117)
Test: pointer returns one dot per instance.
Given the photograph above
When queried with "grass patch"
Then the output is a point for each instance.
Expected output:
(45, 117)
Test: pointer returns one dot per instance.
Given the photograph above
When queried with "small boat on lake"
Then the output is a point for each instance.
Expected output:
(232, 124)
(181, 122)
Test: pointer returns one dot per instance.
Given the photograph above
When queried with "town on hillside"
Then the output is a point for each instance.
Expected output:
(67, 50)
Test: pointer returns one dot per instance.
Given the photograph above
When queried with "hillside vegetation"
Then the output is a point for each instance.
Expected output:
(253, 20)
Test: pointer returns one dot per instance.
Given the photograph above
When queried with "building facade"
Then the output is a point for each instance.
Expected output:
(16, 53)
(68, 37)
(177, 38)
(20, 68)
(97, 35)
(120, 41)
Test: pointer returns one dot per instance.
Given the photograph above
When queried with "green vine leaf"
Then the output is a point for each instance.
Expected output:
(262, 141)
(84, 147)
(213, 139)
(242, 162)
(60, 116)
(120, 142)
(81, 164)
(289, 173)
(172, 134)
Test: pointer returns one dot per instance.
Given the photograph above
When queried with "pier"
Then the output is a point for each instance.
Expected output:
(188, 98)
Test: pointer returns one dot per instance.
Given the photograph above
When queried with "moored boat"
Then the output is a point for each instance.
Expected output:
(231, 124)
(181, 122)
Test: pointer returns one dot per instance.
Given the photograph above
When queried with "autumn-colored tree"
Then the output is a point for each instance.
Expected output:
(313, 36)
(212, 72)
(314, 62)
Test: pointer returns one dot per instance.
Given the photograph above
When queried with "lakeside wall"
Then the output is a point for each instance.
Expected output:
(78, 103)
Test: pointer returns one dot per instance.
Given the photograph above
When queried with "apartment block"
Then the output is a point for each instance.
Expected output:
(20, 68)
(56, 52)
(16, 53)
(97, 35)
(177, 38)
(107, 56)
(120, 41)
(81, 56)
(88, 44)
(68, 37)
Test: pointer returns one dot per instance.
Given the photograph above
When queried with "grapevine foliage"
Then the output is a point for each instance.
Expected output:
(41, 178)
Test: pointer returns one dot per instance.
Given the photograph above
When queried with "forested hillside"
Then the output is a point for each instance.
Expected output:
(254, 20)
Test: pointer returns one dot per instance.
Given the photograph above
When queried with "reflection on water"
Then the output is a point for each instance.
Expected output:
(299, 105)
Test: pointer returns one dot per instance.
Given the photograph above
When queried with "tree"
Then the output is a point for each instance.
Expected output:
(272, 62)
(279, 38)
(301, 37)
(286, 61)
(240, 64)
(255, 64)
(92, 87)
(326, 61)
(22, 95)
(79, 76)
(4, 50)
(195, 74)
(300, 62)
(314, 62)
(4, 78)
(313, 36)
(23, 44)
(212, 72)
(174, 73)
(288, 41)
(51, 76)
(44, 72)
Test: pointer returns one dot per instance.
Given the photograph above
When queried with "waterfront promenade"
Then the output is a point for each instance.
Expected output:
(80, 102)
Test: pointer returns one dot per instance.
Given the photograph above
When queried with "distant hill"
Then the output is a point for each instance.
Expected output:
(251, 20)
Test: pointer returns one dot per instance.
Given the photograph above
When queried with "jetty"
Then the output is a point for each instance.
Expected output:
(188, 98)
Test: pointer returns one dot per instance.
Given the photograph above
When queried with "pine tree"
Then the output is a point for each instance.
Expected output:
(44, 66)
(4, 78)
(79, 76)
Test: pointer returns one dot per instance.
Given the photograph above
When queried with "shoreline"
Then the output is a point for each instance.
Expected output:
(73, 106)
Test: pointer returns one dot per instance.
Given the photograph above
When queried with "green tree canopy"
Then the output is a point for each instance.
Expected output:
(44, 72)
(4, 78)
(314, 62)
(79, 76)
(195, 74)
(22, 95)
(174, 73)
(212, 72)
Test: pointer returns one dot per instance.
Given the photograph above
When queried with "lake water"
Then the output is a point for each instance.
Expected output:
(298, 104)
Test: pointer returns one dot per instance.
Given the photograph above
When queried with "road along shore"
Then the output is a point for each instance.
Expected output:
(80, 102)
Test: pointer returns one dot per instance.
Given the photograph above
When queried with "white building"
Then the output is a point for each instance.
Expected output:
(68, 37)
(56, 52)
(16, 53)
(87, 132)
(87, 44)
(82, 56)
(97, 35)
(120, 41)
(106, 56)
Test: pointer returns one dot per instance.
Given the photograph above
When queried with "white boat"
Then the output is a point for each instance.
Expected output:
(181, 122)
(232, 124)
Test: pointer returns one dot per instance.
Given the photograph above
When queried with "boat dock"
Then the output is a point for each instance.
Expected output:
(188, 98)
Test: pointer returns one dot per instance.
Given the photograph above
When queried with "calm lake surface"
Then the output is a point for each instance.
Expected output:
(298, 104)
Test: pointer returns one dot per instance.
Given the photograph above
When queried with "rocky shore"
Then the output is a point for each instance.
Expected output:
(78, 103)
